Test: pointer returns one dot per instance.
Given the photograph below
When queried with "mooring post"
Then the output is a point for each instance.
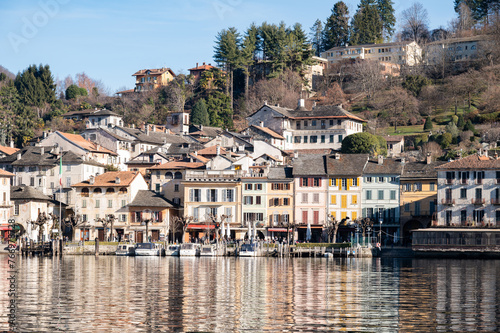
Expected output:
(97, 247)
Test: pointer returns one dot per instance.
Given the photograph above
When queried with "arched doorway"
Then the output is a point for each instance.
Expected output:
(407, 228)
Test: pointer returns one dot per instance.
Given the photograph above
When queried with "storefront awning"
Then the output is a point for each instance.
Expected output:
(312, 227)
(4, 227)
(278, 230)
(201, 226)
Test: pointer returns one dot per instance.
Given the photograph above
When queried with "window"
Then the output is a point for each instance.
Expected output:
(340, 138)
(394, 179)
(407, 207)
(417, 187)
(432, 187)
(331, 122)
(323, 139)
(84, 218)
(463, 193)
(448, 217)
(316, 197)
(97, 204)
(313, 123)
(317, 182)
(196, 213)
(258, 200)
(297, 139)
(110, 203)
(195, 195)
(368, 195)
(304, 182)
(479, 193)
(286, 201)
(212, 195)
(248, 200)
(176, 188)
(417, 208)
(368, 179)
(305, 123)
(380, 179)
(123, 217)
(333, 199)
(258, 187)
(16, 209)
(228, 195)
(157, 187)
(323, 125)
(304, 197)
(393, 195)
(124, 203)
(463, 216)
(369, 212)
(331, 138)
(248, 187)
(315, 217)
(497, 216)
(381, 195)
(84, 203)
(354, 199)
(229, 214)
(297, 125)
(354, 182)
(68, 167)
(305, 139)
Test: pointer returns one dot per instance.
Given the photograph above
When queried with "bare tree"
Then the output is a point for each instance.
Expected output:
(432, 149)
(107, 221)
(401, 106)
(415, 21)
(40, 222)
(332, 227)
(73, 221)
(179, 224)
(367, 77)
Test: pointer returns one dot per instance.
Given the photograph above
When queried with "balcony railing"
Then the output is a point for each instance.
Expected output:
(479, 181)
(478, 201)
(450, 202)
(464, 181)
(495, 201)
(449, 181)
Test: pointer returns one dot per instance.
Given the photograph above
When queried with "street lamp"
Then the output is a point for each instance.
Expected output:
(145, 219)
(380, 232)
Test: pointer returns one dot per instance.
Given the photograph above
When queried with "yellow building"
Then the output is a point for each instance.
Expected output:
(418, 195)
(150, 79)
(280, 202)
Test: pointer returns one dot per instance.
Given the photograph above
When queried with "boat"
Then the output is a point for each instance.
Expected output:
(172, 250)
(248, 250)
(125, 250)
(147, 249)
(189, 249)
(208, 251)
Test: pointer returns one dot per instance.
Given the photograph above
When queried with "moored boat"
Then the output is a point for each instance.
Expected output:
(208, 251)
(190, 249)
(172, 250)
(248, 250)
(125, 250)
(147, 249)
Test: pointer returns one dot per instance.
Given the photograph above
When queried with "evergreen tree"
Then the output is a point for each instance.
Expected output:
(316, 37)
(298, 51)
(36, 86)
(461, 122)
(366, 25)
(336, 31)
(386, 12)
(73, 91)
(428, 124)
(227, 55)
(248, 53)
(219, 110)
(199, 113)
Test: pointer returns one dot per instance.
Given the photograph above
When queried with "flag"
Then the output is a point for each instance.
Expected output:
(60, 171)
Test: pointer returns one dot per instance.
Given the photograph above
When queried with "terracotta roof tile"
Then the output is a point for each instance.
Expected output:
(270, 132)
(109, 179)
(8, 150)
(6, 173)
(154, 71)
(178, 165)
(86, 144)
(471, 162)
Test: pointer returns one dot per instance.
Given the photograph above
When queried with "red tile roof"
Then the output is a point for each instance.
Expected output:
(270, 132)
(472, 162)
(86, 144)
(109, 179)
(8, 150)
(201, 68)
(6, 173)
(178, 165)
(211, 151)
(154, 71)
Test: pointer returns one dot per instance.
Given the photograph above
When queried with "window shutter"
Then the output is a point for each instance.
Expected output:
(348, 181)
(354, 216)
(310, 182)
(354, 199)
(319, 181)
(215, 195)
(160, 216)
(208, 194)
(364, 212)
(191, 195)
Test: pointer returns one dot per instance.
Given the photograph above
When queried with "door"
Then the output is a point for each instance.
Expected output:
(100, 235)
(155, 235)
(138, 237)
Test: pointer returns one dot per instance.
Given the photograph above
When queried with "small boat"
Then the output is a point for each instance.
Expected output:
(208, 251)
(172, 250)
(125, 250)
(147, 249)
(248, 250)
(189, 249)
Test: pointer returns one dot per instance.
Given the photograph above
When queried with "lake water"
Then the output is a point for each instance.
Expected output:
(168, 294)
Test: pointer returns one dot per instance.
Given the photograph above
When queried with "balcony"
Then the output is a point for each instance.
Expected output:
(464, 181)
(479, 181)
(495, 201)
(449, 181)
(449, 202)
(478, 201)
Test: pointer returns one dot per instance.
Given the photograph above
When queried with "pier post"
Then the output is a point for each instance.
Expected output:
(97, 247)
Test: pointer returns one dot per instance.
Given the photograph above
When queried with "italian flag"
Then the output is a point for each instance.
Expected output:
(60, 171)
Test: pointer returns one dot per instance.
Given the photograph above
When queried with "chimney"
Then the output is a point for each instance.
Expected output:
(217, 150)
(11, 143)
(91, 180)
(196, 65)
(265, 102)
(337, 156)
(117, 180)
(302, 103)
(228, 154)
(133, 125)
(296, 154)
(195, 153)
(42, 151)
(380, 159)
(57, 150)
(261, 123)
(495, 156)
(203, 63)
(18, 156)
(428, 159)
(147, 129)
(314, 105)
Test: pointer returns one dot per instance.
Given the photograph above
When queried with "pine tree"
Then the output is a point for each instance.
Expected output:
(336, 32)
(227, 54)
(36, 86)
(316, 37)
(428, 124)
(366, 25)
(199, 113)
(386, 12)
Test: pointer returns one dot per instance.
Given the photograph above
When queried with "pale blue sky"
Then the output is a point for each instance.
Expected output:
(110, 40)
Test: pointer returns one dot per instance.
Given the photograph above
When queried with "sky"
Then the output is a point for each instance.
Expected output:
(110, 40)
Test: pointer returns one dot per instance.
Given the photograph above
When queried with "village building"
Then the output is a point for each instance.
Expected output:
(5, 203)
(104, 195)
(280, 203)
(6, 151)
(468, 192)
(150, 79)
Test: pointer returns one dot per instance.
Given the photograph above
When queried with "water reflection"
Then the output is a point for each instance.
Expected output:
(144, 294)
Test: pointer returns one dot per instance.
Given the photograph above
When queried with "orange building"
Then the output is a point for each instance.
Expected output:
(150, 79)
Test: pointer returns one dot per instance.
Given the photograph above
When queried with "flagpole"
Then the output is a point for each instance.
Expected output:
(60, 195)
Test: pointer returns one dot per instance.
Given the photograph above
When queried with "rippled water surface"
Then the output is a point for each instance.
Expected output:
(149, 294)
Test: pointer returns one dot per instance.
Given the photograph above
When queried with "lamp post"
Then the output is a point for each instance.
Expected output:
(145, 219)
(380, 232)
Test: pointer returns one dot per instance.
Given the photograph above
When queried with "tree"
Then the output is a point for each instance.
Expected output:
(367, 77)
(364, 143)
(415, 83)
(73, 91)
(36, 86)
(336, 32)
(366, 25)
(428, 124)
(248, 53)
(227, 54)
(481, 9)
(386, 12)
(316, 37)
(469, 126)
(446, 140)
(401, 107)
(199, 114)
(219, 110)
(415, 23)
